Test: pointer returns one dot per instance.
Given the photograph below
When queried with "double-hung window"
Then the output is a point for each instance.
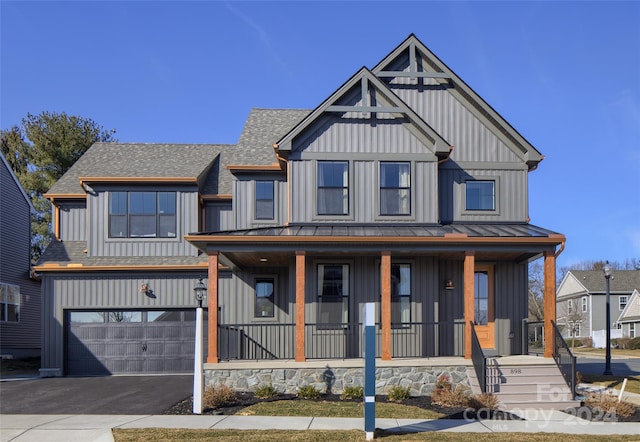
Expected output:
(142, 215)
(400, 294)
(264, 298)
(622, 302)
(584, 304)
(395, 188)
(264, 208)
(333, 295)
(333, 188)
(480, 195)
(9, 303)
(570, 306)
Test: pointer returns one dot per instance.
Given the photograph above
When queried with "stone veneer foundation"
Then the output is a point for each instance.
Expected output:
(288, 376)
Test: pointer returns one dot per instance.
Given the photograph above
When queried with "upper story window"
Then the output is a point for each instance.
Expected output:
(395, 188)
(9, 303)
(142, 215)
(264, 208)
(622, 302)
(584, 304)
(333, 188)
(480, 195)
(570, 306)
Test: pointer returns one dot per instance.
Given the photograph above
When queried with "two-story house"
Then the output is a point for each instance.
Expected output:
(403, 188)
(19, 292)
(581, 304)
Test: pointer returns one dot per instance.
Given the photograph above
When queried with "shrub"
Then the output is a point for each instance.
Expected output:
(398, 393)
(579, 377)
(634, 344)
(587, 342)
(620, 343)
(350, 392)
(483, 401)
(309, 392)
(444, 394)
(609, 404)
(265, 391)
(215, 397)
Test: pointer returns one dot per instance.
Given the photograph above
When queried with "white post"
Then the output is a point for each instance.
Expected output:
(198, 385)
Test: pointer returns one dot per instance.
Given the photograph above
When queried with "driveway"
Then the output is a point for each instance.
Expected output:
(94, 395)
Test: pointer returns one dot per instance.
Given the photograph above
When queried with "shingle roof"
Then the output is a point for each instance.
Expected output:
(621, 280)
(72, 252)
(137, 160)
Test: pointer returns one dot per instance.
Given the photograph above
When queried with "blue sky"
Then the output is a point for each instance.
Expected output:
(566, 75)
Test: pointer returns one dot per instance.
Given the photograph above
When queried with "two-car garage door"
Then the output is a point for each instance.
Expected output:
(132, 341)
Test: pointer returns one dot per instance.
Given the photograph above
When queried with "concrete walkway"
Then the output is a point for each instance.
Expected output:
(97, 428)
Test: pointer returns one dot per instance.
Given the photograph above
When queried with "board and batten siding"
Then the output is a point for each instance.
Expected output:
(101, 291)
(218, 217)
(15, 248)
(73, 221)
(511, 307)
(99, 243)
(364, 193)
(244, 203)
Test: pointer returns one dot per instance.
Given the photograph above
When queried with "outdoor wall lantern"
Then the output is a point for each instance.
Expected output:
(606, 268)
(146, 290)
(200, 291)
(448, 285)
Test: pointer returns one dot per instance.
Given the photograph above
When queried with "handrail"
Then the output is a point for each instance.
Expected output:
(565, 360)
(479, 359)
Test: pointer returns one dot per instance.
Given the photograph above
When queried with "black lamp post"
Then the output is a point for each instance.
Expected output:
(200, 291)
(607, 368)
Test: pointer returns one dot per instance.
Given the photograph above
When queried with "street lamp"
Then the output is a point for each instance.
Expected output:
(200, 291)
(607, 368)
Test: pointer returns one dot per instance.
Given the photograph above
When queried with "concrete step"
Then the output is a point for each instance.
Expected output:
(524, 405)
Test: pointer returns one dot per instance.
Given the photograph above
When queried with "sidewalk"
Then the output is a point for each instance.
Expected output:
(97, 428)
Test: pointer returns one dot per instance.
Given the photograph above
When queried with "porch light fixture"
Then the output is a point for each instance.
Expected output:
(263, 260)
(146, 290)
(448, 285)
(200, 291)
(606, 268)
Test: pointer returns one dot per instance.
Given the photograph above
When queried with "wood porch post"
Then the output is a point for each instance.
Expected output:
(385, 304)
(212, 323)
(549, 301)
(469, 289)
(300, 304)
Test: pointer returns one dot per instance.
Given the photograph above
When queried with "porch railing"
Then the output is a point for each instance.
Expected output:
(258, 341)
(532, 337)
(479, 359)
(565, 360)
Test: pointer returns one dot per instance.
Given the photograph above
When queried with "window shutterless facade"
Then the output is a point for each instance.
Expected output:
(622, 302)
(584, 304)
(333, 295)
(265, 203)
(400, 294)
(332, 188)
(395, 188)
(480, 195)
(142, 215)
(9, 303)
(264, 298)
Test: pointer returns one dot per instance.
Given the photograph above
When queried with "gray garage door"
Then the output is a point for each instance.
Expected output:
(132, 341)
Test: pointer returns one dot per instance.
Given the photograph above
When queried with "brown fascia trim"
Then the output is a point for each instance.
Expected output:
(65, 196)
(189, 180)
(254, 168)
(75, 267)
(216, 197)
(451, 238)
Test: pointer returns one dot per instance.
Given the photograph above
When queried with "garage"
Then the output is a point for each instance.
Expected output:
(130, 341)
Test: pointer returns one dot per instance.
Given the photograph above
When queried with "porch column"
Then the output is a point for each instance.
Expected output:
(469, 270)
(385, 305)
(300, 303)
(549, 301)
(212, 323)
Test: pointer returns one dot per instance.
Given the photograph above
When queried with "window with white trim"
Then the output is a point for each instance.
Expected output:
(142, 215)
(622, 302)
(584, 304)
(333, 188)
(395, 188)
(333, 295)
(576, 330)
(632, 330)
(570, 306)
(9, 303)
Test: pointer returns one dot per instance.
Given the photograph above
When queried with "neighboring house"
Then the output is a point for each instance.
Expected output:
(313, 213)
(581, 300)
(19, 293)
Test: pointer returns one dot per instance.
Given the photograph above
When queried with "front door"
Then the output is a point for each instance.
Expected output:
(483, 301)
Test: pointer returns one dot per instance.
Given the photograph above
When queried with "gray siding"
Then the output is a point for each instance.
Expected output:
(112, 290)
(73, 221)
(21, 338)
(218, 216)
(244, 203)
(99, 243)
(511, 306)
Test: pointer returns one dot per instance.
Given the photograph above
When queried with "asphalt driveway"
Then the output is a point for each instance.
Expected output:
(94, 395)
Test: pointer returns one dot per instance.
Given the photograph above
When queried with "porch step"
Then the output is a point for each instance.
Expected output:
(523, 385)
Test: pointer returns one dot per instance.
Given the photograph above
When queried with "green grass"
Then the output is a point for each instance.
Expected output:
(633, 382)
(162, 435)
(336, 409)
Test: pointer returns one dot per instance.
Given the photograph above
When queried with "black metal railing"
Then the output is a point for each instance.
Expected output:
(532, 337)
(427, 339)
(478, 358)
(565, 360)
(256, 341)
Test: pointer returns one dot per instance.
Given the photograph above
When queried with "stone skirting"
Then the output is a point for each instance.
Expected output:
(288, 379)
